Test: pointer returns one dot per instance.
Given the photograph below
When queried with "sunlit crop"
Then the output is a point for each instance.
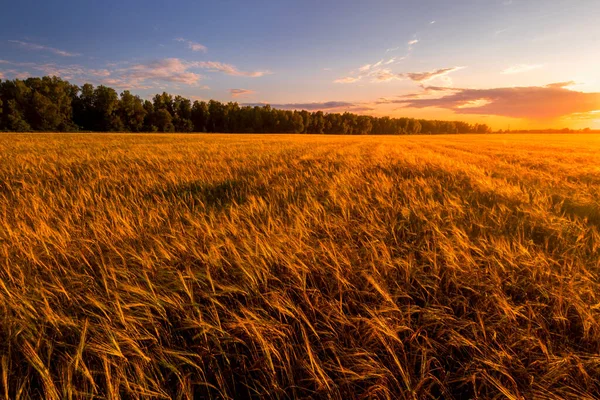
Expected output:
(273, 266)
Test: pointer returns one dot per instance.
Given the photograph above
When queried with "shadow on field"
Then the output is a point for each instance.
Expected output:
(218, 195)
(588, 212)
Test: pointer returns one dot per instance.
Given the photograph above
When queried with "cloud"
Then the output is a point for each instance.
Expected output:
(427, 76)
(174, 70)
(365, 68)
(534, 102)
(136, 76)
(39, 47)
(227, 69)
(194, 46)
(15, 74)
(585, 116)
(500, 31)
(561, 84)
(411, 44)
(432, 22)
(520, 68)
(1, 75)
(348, 79)
(385, 74)
(167, 70)
(68, 72)
(374, 70)
(330, 106)
(240, 92)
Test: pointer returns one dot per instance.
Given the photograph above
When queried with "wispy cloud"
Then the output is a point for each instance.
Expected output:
(348, 79)
(228, 69)
(240, 92)
(15, 74)
(177, 71)
(378, 74)
(137, 76)
(501, 31)
(585, 116)
(375, 70)
(534, 102)
(39, 47)
(427, 76)
(194, 46)
(520, 68)
(384, 75)
(365, 68)
(167, 70)
(559, 85)
(69, 72)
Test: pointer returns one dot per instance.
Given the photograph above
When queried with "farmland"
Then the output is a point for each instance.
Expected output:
(281, 266)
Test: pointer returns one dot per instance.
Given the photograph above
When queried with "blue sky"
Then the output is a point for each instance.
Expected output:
(372, 57)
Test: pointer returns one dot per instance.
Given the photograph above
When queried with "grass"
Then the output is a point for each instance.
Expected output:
(214, 266)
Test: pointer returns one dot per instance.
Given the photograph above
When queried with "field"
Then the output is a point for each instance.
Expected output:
(235, 266)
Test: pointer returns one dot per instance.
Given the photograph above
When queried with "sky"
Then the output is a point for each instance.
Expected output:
(523, 64)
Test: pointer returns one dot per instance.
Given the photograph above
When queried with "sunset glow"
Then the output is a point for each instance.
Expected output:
(523, 64)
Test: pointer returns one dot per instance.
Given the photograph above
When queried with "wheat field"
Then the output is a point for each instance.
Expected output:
(280, 266)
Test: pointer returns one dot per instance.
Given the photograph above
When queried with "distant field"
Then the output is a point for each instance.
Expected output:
(275, 266)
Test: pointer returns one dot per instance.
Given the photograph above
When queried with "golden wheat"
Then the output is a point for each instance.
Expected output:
(215, 266)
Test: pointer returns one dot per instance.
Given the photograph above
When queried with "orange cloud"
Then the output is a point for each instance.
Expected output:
(385, 74)
(427, 76)
(169, 70)
(347, 79)
(535, 102)
(240, 92)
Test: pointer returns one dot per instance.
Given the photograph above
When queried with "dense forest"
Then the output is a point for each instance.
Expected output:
(51, 104)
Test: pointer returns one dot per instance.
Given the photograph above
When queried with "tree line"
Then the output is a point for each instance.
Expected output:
(50, 104)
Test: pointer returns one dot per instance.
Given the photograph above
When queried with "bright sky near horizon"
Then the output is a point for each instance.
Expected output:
(523, 63)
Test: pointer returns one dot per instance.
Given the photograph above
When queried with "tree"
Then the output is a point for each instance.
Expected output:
(297, 122)
(364, 125)
(16, 119)
(105, 106)
(51, 104)
(164, 121)
(318, 123)
(131, 112)
(200, 116)
(183, 114)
